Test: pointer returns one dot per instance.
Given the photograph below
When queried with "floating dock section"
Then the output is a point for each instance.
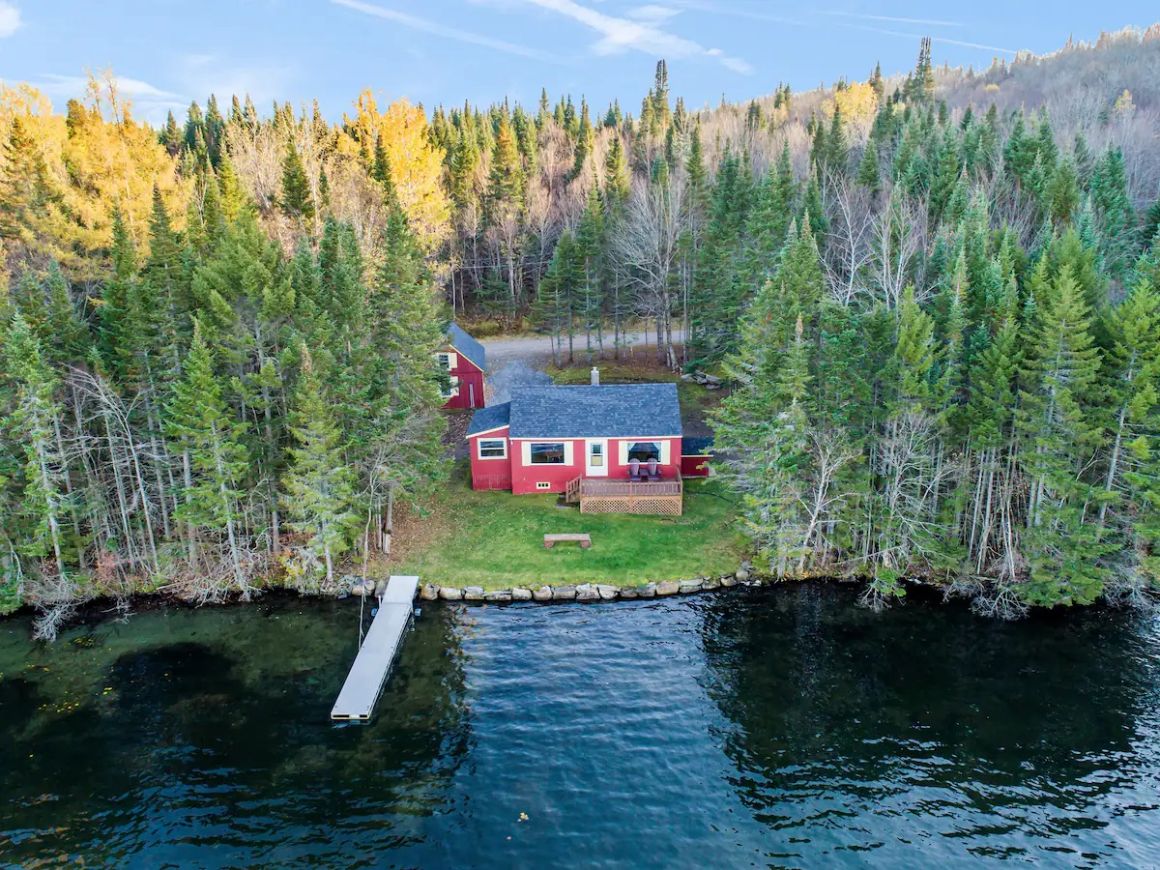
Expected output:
(377, 654)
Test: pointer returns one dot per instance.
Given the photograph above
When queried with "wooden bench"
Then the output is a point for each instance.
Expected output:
(585, 541)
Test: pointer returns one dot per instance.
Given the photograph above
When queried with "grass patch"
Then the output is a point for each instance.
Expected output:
(496, 540)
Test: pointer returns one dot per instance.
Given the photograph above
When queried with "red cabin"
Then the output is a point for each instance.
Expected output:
(612, 447)
(465, 361)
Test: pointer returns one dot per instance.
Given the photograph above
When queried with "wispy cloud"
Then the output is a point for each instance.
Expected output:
(930, 22)
(940, 39)
(205, 74)
(737, 12)
(624, 34)
(651, 13)
(435, 28)
(9, 18)
(149, 102)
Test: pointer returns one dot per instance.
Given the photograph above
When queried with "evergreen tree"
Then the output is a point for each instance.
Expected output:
(1063, 550)
(40, 508)
(318, 485)
(211, 440)
(296, 200)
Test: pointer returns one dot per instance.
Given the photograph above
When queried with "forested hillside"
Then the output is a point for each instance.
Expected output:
(936, 295)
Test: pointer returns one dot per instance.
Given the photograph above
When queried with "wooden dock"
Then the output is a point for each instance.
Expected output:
(377, 654)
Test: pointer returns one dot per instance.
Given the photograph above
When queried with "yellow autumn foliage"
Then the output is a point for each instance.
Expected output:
(858, 102)
(96, 161)
(416, 164)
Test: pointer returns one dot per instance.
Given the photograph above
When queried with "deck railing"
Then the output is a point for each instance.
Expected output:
(591, 487)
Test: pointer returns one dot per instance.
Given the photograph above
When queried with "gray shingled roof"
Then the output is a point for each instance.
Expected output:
(490, 417)
(467, 345)
(610, 410)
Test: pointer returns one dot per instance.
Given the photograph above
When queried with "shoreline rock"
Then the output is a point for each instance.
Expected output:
(585, 592)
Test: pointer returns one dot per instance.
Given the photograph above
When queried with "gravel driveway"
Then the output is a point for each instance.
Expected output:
(518, 362)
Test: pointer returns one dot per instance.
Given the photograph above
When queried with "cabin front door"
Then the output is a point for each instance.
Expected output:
(596, 457)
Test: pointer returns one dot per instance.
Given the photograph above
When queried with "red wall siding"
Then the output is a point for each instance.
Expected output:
(470, 388)
(524, 478)
(615, 469)
(470, 382)
(694, 466)
(490, 473)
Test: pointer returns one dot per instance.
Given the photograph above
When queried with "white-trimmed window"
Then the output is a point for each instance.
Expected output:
(547, 453)
(543, 485)
(446, 360)
(643, 451)
(449, 389)
(493, 448)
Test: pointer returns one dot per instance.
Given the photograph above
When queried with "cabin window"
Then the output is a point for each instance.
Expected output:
(492, 448)
(596, 454)
(449, 388)
(543, 485)
(446, 360)
(643, 451)
(547, 453)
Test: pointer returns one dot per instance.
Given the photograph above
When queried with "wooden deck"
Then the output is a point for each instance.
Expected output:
(603, 496)
(377, 654)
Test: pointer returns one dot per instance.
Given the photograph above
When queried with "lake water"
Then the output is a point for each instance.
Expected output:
(782, 727)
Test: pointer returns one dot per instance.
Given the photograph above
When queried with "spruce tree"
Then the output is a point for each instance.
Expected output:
(318, 485)
(296, 200)
(1060, 432)
(39, 507)
(210, 437)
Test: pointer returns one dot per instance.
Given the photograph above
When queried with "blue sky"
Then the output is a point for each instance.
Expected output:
(167, 52)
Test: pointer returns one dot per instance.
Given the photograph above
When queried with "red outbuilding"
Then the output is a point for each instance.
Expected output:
(465, 362)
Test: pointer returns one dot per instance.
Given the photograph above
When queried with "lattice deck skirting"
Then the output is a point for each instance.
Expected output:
(657, 505)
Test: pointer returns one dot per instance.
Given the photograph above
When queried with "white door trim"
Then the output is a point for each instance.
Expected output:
(598, 470)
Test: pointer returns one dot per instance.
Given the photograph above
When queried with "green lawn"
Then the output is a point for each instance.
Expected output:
(496, 540)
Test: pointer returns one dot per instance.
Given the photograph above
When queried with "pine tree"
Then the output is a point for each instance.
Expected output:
(210, 438)
(1131, 485)
(40, 508)
(296, 200)
(616, 176)
(1061, 546)
(868, 168)
(318, 485)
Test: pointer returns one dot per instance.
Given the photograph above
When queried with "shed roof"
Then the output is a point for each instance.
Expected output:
(467, 345)
(491, 417)
(607, 411)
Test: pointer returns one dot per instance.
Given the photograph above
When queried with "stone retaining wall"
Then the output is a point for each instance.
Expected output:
(590, 592)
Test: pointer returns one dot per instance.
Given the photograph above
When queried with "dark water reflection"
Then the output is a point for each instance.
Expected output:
(780, 727)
